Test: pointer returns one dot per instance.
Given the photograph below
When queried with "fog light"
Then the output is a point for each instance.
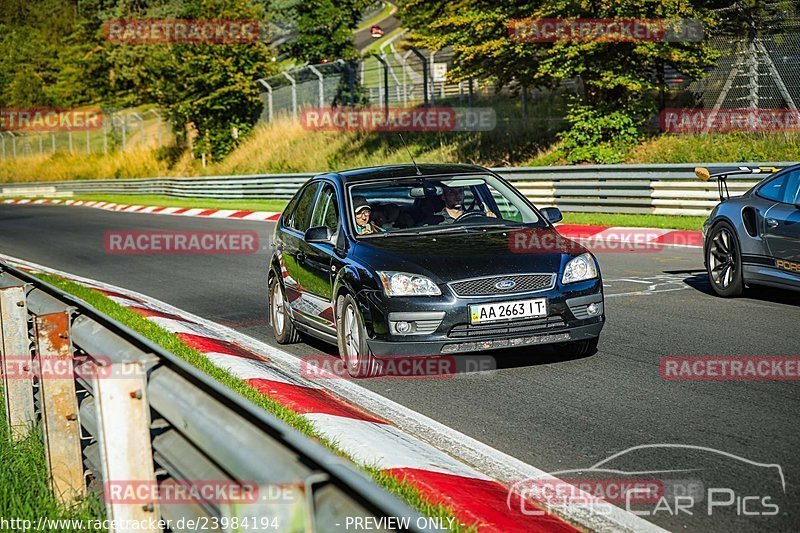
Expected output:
(592, 309)
(402, 327)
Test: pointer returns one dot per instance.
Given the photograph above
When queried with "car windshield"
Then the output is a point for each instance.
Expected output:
(437, 204)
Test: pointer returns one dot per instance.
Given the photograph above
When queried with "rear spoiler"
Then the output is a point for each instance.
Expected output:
(721, 176)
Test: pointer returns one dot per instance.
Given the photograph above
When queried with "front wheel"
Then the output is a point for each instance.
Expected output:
(352, 337)
(724, 261)
(282, 327)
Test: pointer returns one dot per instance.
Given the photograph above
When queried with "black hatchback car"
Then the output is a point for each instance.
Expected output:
(409, 260)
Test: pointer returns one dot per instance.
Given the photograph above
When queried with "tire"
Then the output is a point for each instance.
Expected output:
(724, 261)
(352, 337)
(581, 348)
(282, 326)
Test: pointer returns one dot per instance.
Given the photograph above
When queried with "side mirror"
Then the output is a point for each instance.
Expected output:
(318, 235)
(553, 214)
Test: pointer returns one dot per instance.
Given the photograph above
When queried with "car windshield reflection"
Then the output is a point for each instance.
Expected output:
(438, 205)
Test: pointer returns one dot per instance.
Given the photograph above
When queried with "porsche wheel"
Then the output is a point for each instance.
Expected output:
(724, 261)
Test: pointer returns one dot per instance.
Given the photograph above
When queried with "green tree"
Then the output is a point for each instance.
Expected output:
(207, 88)
(620, 79)
(324, 29)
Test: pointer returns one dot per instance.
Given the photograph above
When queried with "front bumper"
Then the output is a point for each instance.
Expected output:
(441, 325)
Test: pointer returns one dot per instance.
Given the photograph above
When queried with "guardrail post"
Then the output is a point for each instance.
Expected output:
(123, 435)
(59, 405)
(15, 361)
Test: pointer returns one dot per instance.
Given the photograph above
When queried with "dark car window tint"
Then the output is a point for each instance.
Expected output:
(791, 193)
(773, 190)
(325, 213)
(301, 215)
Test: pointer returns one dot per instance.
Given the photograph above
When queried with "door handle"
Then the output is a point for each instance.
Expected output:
(772, 223)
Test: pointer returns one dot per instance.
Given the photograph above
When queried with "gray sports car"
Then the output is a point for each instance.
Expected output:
(754, 239)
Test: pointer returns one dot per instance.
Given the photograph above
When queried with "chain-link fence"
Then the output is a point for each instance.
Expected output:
(759, 58)
(396, 78)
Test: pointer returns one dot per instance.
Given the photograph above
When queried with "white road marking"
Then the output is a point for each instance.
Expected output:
(655, 285)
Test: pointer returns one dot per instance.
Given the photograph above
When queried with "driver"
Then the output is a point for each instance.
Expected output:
(453, 198)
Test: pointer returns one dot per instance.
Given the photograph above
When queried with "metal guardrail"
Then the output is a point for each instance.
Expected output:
(654, 189)
(126, 414)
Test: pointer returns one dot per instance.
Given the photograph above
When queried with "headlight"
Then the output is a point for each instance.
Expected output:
(404, 284)
(579, 269)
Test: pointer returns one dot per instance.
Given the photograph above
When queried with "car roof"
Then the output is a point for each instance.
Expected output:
(403, 171)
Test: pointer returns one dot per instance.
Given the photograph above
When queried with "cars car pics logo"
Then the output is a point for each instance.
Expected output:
(646, 490)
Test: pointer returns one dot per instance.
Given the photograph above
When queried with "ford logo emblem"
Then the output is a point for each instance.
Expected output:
(505, 285)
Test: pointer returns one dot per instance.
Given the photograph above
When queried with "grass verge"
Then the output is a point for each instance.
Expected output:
(168, 341)
(635, 221)
(25, 492)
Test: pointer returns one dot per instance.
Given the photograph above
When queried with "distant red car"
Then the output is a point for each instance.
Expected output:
(376, 32)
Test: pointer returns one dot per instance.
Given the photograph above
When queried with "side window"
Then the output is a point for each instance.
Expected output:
(325, 212)
(791, 194)
(301, 216)
(774, 189)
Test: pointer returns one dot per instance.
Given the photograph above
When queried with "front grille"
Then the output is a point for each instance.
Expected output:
(487, 286)
(515, 327)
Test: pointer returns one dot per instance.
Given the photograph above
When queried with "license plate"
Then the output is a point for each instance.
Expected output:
(496, 312)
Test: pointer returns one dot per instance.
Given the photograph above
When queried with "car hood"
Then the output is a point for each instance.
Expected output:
(460, 255)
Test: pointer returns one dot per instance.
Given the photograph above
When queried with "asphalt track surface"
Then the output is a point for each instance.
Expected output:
(554, 413)
(363, 39)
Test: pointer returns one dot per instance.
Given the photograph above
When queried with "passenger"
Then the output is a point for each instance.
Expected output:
(454, 205)
(363, 212)
(385, 215)
(424, 210)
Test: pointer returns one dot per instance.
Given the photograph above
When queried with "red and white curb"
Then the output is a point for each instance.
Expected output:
(632, 238)
(447, 466)
(156, 210)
